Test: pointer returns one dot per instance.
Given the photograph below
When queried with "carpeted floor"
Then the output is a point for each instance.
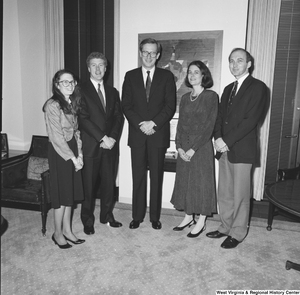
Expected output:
(144, 261)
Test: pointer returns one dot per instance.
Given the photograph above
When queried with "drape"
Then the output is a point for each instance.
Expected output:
(54, 39)
(262, 29)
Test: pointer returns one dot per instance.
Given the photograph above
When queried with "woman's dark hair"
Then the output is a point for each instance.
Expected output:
(207, 80)
(59, 97)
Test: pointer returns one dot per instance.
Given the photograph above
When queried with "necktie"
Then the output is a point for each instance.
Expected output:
(101, 97)
(148, 85)
(233, 92)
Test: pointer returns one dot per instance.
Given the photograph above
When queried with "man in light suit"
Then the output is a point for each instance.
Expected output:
(149, 103)
(241, 110)
(100, 123)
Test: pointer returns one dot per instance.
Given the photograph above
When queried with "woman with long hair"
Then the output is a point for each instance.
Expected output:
(64, 155)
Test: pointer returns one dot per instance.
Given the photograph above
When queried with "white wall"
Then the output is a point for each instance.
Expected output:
(144, 16)
(23, 71)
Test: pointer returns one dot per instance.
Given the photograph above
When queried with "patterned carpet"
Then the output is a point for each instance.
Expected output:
(144, 261)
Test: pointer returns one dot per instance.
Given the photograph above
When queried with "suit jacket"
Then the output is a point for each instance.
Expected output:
(160, 108)
(94, 122)
(238, 124)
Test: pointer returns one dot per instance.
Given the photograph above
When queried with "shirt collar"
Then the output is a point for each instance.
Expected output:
(146, 70)
(242, 79)
(95, 83)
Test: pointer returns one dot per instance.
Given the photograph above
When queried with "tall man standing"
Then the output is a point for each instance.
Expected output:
(149, 103)
(241, 110)
(100, 123)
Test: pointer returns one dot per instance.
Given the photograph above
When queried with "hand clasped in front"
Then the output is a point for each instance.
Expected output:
(147, 127)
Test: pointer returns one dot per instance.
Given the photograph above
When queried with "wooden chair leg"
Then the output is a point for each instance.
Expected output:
(44, 219)
(270, 216)
(44, 211)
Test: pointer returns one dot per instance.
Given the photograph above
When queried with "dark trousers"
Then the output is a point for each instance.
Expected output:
(141, 157)
(99, 171)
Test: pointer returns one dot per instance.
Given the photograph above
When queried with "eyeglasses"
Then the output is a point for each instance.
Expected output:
(67, 83)
(146, 53)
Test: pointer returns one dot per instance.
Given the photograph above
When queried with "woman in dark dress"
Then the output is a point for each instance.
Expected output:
(64, 155)
(194, 190)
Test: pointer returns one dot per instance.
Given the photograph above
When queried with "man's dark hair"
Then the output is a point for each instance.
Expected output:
(150, 41)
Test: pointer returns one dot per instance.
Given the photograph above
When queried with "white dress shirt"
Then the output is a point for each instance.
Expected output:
(145, 75)
(95, 83)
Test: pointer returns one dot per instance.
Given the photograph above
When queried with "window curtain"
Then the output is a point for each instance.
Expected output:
(262, 30)
(88, 27)
(54, 39)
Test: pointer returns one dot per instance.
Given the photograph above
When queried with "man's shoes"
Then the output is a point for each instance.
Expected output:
(215, 234)
(156, 224)
(230, 243)
(134, 224)
(115, 223)
(89, 230)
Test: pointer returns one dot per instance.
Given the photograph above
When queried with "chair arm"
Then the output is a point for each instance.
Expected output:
(10, 160)
(14, 172)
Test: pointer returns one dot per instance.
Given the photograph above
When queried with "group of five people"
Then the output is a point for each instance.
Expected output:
(84, 124)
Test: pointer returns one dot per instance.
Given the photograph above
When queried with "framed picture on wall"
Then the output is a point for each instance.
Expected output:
(181, 48)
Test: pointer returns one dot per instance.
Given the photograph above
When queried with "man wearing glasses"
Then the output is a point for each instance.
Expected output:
(100, 123)
(149, 103)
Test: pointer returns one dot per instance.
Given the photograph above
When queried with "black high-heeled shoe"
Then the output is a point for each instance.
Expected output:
(179, 228)
(65, 246)
(190, 235)
(79, 241)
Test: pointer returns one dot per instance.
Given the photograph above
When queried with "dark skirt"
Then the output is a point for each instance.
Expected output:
(65, 184)
(194, 189)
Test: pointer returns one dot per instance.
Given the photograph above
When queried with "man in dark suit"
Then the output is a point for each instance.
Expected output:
(100, 123)
(241, 110)
(149, 103)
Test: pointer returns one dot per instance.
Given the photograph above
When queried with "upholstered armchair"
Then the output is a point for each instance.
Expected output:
(25, 179)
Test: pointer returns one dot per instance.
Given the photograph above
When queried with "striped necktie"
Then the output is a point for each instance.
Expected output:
(101, 97)
(233, 92)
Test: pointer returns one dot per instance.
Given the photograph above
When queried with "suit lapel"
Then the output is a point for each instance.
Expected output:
(108, 98)
(140, 83)
(240, 93)
(245, 85)
(94, 95)
(155, 82)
